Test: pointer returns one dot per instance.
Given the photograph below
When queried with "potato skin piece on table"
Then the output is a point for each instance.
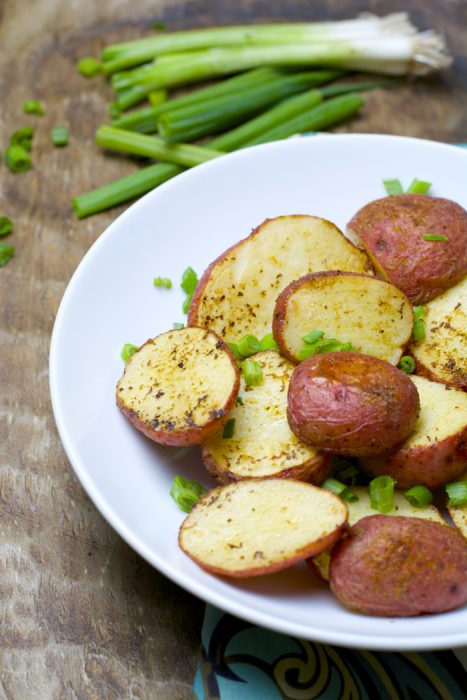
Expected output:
(258, 526)
(424, 571)
(436, 451)
(372, 314)
(263, 444)
(392, 229)
(178, 388)
(351, 404)
(237, 292)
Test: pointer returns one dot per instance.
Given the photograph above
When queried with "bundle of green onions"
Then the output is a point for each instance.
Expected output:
(276, 89)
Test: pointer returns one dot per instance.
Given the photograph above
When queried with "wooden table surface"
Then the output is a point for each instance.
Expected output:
(82, 615)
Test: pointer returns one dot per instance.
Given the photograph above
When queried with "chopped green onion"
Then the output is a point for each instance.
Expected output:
(419, 496)
(6, 226)
(339, 489)
(252, 372)
(268, 342)
(33, 107)
(157, 97)
(434, 237)
(23, 137)
(163, 282)
(418, 187)
(189, 280)
(419, 312)
(393, 187)
(18, 159)
(407, 364)
(229, 429)
(6, 253)
(186, 493)
(248, 345)
(177, 326)
(457, 493)
(321, 345)
(89, 66)
(127, 351)
(235, 350)
(418, 332)
(186, 303)
(59, 136)
(240, 400)
(114, 110)
(382, 494)
(311, 337)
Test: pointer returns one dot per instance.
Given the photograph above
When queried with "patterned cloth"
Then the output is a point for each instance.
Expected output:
(240, 661)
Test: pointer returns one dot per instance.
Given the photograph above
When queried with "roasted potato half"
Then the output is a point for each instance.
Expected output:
(393, 231)
(373, 315)
(442, 355)
(258, 526)
(237, 293)
(425, 567)
(436, 451)
(179, 387)
(351, 404)
(361, 509)
(262, 443)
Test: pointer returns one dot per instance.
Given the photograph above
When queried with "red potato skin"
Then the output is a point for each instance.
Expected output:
(315, 471)
(391, 230)
(351, 404)
(193, 435)
(430, 465)
(400, 567)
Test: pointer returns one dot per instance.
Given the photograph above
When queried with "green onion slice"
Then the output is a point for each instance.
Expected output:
(229, 429)
(252, 372)
(419, 496)
(418, 332)
(240, 401)
(177, 326)
(393, 186)
(59, 136)
(127, 351)
(6, 226)
(407, 364)
(248, 345)
(340, 489)
(419, 312)
(189, 280)
(18, 159)
(89, 66)
(6, 253)
(186, 493)
(235, 350)
(434, 237)
(418, 187)
(268, 342)
(457, 493)
(311, 337)
(163, 282)
(186, 303)
(33, 107)
(22, 137)
(382, 494)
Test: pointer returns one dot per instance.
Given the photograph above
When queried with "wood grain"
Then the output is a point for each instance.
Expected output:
(81, 615)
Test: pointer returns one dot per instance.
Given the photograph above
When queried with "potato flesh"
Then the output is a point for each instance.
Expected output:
(262, 443)
(362, 508)
(178, 381)
(237, 293)
(371, 314)
(443, 353)
(258, 526)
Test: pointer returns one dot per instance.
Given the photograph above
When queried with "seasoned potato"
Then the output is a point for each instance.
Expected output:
(425, 567)
(351, 404)
(442, 355)
(373, 315)
(258, 526)
(392, 231)
(459, 513)
(361, 509)
(179, 387)
(436, 452)
(263, 444)
(237, 293)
